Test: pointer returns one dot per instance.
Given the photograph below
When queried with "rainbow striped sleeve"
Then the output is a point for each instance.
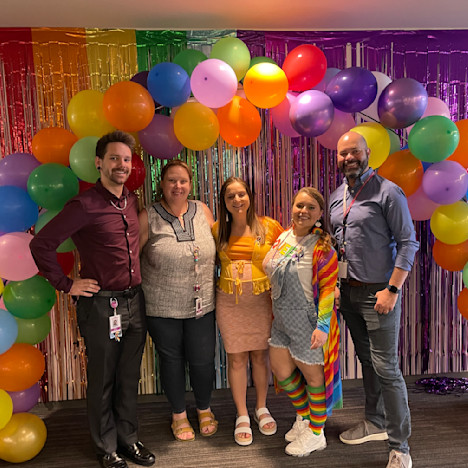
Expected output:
(325, 272)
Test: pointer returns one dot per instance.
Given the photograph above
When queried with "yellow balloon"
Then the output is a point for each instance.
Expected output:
(22, 438)
(85, 114)
(377, 140)
(6, 408)
(196, 126)
(449, 223)
(265, 85)
(1, 287)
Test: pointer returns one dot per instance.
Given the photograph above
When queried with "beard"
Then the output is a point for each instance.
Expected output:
(356, 170)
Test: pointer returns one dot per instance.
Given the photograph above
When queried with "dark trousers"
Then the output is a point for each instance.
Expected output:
(185, 340)
(113, 369)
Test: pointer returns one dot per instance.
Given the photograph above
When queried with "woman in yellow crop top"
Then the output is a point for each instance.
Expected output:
(243, 303)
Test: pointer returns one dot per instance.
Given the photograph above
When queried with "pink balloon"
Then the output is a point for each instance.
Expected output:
(342, 122)
(435, 106)
(16, 261)
(213, 83)
(280, 116)
(421, 206)
(158, 138)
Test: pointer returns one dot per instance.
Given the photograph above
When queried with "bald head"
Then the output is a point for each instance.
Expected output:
(352, 155)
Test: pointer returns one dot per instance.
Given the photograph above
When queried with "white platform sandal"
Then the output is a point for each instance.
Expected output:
(243, 430)
(264, 421)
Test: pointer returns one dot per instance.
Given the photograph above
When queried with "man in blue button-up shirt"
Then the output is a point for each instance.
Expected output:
(377, 244)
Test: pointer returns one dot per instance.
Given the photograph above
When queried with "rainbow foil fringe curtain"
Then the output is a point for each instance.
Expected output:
(42, 69)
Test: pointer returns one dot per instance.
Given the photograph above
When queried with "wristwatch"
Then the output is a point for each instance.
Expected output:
(393, 289)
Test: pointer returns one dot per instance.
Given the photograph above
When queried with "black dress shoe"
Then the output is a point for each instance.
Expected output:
(112, 460)
(137, 453)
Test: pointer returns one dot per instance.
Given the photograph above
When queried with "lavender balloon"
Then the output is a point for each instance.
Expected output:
(311, 113)
(16, 168)
(24, 400)
(158, 138)
(402, 103)
(352, 89)
(445, 182)
(329, 74)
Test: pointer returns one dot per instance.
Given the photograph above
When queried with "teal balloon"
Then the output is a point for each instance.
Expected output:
(51, 185)
(82, 157)
(33, 331)
(433, 139)
(8, 330)
(465, 275)
(67, 245)
(188, 59)
(395, 143)
(29, 299)
(256, 60)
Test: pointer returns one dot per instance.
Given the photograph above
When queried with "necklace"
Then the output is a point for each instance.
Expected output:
(169, 209)
(118, 207)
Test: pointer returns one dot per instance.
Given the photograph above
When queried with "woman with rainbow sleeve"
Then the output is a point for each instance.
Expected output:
(304, 345)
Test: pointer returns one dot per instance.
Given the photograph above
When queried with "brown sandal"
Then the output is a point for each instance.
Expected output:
(209, 422)
(177, 430)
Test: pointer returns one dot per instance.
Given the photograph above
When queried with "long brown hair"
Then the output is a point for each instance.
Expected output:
(326, 240)
(225, 218)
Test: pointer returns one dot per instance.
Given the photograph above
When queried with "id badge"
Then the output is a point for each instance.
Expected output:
(115, 324)
(342, 269)
(198, 307)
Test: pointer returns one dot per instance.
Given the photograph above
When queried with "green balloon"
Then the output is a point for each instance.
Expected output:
(29, 299)
(188, 59)
(465, 275)
(51, 185)
(234, 52)
(256, 60)
(82, 156)
(33, 331)
(395, 144)
(433, 139)
(67, 245)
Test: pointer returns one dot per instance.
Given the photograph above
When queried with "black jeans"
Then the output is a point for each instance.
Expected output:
(113, 368)
(180, 340)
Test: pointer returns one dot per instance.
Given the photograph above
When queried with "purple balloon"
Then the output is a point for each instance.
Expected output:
(158, 138)
(141, 78)
(16, 168)
(352, 89)
(311, 113)
(445, 182)
(402, 103)
(24, 400)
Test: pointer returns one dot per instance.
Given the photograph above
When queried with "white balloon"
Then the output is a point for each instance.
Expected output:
(372, 112)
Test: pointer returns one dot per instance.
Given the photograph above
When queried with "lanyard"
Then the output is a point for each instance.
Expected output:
(347, 210)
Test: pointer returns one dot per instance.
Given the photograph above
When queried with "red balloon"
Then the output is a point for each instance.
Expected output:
(462, 303)
(20, 367)
(85, 185)
(66, 261)
(305, 67)
(138, 174)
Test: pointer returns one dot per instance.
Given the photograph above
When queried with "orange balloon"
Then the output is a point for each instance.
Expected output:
(462, 303)
(403, 169)
(53, 145)
(128, 106)
(20, 367)
(265, 85)
(451, 257)
(239, 122)
(460, 155)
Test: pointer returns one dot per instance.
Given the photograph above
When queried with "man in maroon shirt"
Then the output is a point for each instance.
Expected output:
(103, 223)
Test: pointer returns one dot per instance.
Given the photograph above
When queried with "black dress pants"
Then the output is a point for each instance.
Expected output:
(113, 368)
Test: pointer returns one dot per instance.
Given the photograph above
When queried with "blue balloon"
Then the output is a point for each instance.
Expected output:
(352, 89)
(169, 84)
(8, 330)
(17, 210)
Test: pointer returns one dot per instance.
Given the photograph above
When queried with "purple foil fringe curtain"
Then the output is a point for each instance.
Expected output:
(433, 334)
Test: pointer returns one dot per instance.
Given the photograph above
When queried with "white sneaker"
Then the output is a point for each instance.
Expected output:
(306, 443)
(299, 425)
(399, 460)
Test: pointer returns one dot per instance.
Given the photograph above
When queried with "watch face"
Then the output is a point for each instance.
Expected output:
(392, 288)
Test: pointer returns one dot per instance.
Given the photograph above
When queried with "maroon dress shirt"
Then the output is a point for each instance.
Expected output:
(106, 237)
